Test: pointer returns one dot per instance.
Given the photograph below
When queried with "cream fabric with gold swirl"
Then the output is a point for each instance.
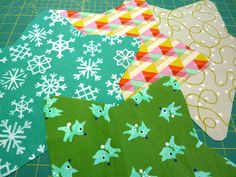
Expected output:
(210, 93)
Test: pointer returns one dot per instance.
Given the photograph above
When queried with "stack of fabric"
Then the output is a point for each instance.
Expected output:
(114, 94)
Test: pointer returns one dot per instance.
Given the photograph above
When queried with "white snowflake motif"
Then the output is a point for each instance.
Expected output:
(13, 79)
(92, 48)
(88, 68)
(137, 41)
(32, 157)
(112, 39)
(124, 58)
(77, 33)
(60, 45)
(113, 84)
(21, 106)
(50, 86)
(86, 92)
(55, 18)
(37, 35)
(41, 148)
(2, 94)
(20, 52)
(39, 64)
(5, 168)
(3, 60)
(11, 136)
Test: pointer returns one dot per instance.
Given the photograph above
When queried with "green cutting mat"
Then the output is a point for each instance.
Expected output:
(16, 14)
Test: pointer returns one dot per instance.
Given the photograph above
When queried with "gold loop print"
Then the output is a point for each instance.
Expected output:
(201, 27)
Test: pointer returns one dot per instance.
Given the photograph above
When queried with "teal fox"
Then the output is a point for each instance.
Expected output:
(105, 153)
(137, 131)
(201, 173)
(171, 150)
(194, 134)
(51, 112)
(141, 173)
(173, 83)
(170, 111)
(98, 111)
(77, 129)
(66, 170)
(140, 96)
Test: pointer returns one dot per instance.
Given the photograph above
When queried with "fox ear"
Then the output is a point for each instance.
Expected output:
(83, 123)
(93, 105)
(54, 100)
(76, 122)
(133, 170)
(171, 105)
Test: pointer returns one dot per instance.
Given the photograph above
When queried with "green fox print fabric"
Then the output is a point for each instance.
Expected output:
(53, 58)
(150, 134)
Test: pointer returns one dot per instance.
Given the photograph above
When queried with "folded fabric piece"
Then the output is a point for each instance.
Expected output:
(158, 55)
(52, 58)
(148, 135)
(210, 93)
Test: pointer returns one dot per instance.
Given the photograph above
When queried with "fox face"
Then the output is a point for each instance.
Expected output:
(101, 156)
(170, 111)
(143, 130)
(78, 128)
(49, 111)
(66, 170)
(168, 153)
(171, 150)
(173, 83)
(52, 112)
(105, 153)
(137, 98)
(137, 131)
(165, 113)
(97, 110)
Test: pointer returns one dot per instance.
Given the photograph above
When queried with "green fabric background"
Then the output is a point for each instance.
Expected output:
(138, 153)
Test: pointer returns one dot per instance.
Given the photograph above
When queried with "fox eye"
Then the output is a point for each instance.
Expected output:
(80, 128)
(100, 110)
(68, 166)
(103, 157)
(136, 99)
(142, 131)
(49, 110)
(170, 153)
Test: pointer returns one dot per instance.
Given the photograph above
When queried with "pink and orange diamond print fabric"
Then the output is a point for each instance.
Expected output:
(158, 54)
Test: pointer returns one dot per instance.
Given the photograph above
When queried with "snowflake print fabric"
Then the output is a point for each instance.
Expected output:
(53, 58)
